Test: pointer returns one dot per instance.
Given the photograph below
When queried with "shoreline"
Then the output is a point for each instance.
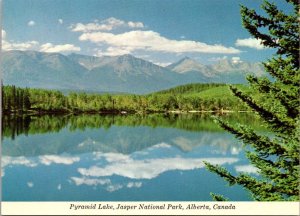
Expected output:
(117, 112)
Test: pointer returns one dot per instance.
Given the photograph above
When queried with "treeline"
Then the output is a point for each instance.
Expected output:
(14, 125)
(15, 99)
(190, 88)
(182, 98)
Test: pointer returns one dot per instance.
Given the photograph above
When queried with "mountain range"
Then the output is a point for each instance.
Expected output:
(124, 73)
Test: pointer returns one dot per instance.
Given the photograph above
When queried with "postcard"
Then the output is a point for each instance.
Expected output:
(149, 107)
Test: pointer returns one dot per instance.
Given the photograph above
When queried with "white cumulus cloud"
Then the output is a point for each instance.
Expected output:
(109, 186)
(79, 27)
(111, 157)
(8, 161)
(28, 45)
(49, 159)
(49, 47)
(113, 51)
(104, 25)
(134, 184)
(250, 169)
(15, 161)
(250, 42)
(60, 21)
(23, 161)
(151, 41)
(150, 168)
(35, 45)
(31, 23)
(135, 24)
(95, 182)
(114, 187)
(90, 181)
(161, 145)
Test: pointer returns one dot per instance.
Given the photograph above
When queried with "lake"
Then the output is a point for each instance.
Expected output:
(157, 157)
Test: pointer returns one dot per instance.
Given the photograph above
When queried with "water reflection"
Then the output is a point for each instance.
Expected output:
(136, 168)
(31, 136)
(147, 168)
(24, 124)
(155, 157)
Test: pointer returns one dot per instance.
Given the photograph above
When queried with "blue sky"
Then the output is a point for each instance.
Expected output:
(161, 31)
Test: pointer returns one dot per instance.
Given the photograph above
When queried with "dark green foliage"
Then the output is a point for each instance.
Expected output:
(14, 125)
(276, 156)
(218, 197)
(190, 88)
(15, 99)
(181, 98)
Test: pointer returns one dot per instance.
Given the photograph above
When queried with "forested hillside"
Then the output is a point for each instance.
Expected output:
(192, 97)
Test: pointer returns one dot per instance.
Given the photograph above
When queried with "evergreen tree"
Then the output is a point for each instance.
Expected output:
(276, 157)
(27, 104)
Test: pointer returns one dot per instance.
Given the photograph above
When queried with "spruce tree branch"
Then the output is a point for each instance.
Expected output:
(250, 183)
(283, 70)
(271, 170)
(278, 21)
(289, 100)
(279, 125)
(276, 158)
(282, 29)
(263, 144)
(261, 190)
(252, 21)
(218, 197)
(222, 172)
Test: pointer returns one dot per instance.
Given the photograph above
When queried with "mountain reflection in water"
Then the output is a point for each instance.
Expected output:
(131, 157)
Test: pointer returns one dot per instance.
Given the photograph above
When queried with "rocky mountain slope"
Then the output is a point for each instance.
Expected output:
(114, 74)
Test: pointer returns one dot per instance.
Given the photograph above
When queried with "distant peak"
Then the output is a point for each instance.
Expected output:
(128, 57)
(187, 64)
(188, 60)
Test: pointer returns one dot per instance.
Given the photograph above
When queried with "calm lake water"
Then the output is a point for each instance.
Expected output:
(119, 158)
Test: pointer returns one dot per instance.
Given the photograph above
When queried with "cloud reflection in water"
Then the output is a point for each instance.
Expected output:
(134, 166)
